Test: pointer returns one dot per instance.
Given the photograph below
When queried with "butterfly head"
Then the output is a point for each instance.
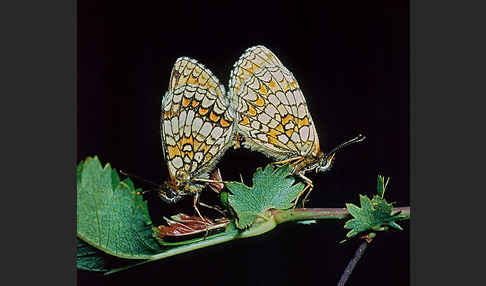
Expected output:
(325, 164)
(169, 192)
(175, 188)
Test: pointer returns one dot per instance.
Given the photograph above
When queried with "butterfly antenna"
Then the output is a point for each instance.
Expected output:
(139, 178)
(357, 139)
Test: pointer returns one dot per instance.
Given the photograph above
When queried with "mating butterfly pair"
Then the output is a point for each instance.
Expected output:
(264, 107)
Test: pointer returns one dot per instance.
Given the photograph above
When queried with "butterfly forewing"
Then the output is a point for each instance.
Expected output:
(273, 115)
(196, 125)
(252, 59)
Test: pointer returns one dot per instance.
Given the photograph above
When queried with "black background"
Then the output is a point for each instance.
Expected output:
(351, 61)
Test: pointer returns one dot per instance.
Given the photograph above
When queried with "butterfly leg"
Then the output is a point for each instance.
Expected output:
(308, 188)
(283, 162)
(307, 195)
(195, 202)
(216, 208)
(215, 182)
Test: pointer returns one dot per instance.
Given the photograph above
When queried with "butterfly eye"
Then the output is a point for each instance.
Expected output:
(169, 196)
(326, 163)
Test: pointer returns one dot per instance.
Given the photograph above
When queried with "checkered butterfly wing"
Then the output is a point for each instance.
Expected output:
(273, 115)
(196, 124)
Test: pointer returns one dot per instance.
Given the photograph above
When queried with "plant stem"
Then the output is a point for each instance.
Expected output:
(352, 263)
(282, 216)
(278, 217)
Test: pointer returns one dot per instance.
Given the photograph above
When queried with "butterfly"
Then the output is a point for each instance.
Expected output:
(273, 117)
(197, 127)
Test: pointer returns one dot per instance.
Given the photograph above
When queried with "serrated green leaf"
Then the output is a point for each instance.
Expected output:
(79, 169)
(395, 225)
(273, 188)
(111, 216)
(366, 205)
(115, 179)
(223, 197)
(91, 259)
(375, 214)
(383, 208)
(353, 209)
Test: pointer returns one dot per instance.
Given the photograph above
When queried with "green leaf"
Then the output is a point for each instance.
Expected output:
(115, 179)
(381, 185)
(374, 215)
(111, 215)
(273, 188)
(79, 169)
(90, 258)
(223, 197)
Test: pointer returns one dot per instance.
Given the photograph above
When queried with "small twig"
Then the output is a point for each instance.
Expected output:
(357, 255)
(300, 214)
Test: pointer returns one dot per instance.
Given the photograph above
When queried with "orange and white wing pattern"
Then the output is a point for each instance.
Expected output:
(253, 59)
(273, 116)
(196, 123)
